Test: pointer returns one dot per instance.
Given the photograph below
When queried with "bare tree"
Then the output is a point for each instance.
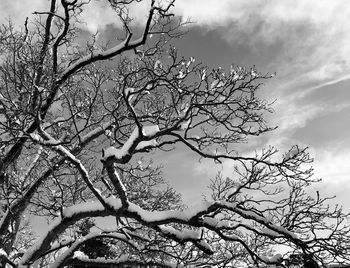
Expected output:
(77, 125)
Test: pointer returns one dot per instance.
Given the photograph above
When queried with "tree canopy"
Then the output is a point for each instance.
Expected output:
(79, 120)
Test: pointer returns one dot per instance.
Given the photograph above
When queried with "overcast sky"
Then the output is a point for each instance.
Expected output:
(306, 42)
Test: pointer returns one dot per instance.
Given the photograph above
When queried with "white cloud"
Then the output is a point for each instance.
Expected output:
(314, 34)
(328, 83)
(291, 117)
(95, 16)
(210, 13)
(332, 164)
(98, 14)
(18, 10)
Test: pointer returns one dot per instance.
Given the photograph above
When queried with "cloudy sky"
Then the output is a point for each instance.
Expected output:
(306, 42)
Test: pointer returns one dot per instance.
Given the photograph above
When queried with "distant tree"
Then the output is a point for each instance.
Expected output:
(78, 120)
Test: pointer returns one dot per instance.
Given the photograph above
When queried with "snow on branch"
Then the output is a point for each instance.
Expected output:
(96, 132)
(95, 56)
(158, 220)
(273, 229)
(160, 217)
(75, 161)
(3, 252)
(69, 216)
(117, 182)
(148, 132)
(123, 260)
(4, 259)
(183, 235)
(136, 141)
(126, 45)
(72, 250)
(186, 235)
(124, 150)
(94, 209)
(90, 207)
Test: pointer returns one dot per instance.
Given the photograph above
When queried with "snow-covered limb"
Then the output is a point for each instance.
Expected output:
(4, 259)
(96, 132)
(186, 235)
(134, 142)
(150, 217)
(129, 93)
(80, 255)
(124, 150)
(46, 142)
(185, 125)
(166, 216)
(17, 207)
(126, 45)
(14, 210)
(111, 154)
(183, 235)
(123, 260)
(96, 56)
(59, 244)
(94, 209)
(146, 144)
(269, 229)
(149, 131)
(160, 217)
(273, 228)
(194, 216)
(117, 182)
(76, 162)
(2, 252)
(217, 223)
(61, 260)
(69, 216)
(34, 162)
(269, 232)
